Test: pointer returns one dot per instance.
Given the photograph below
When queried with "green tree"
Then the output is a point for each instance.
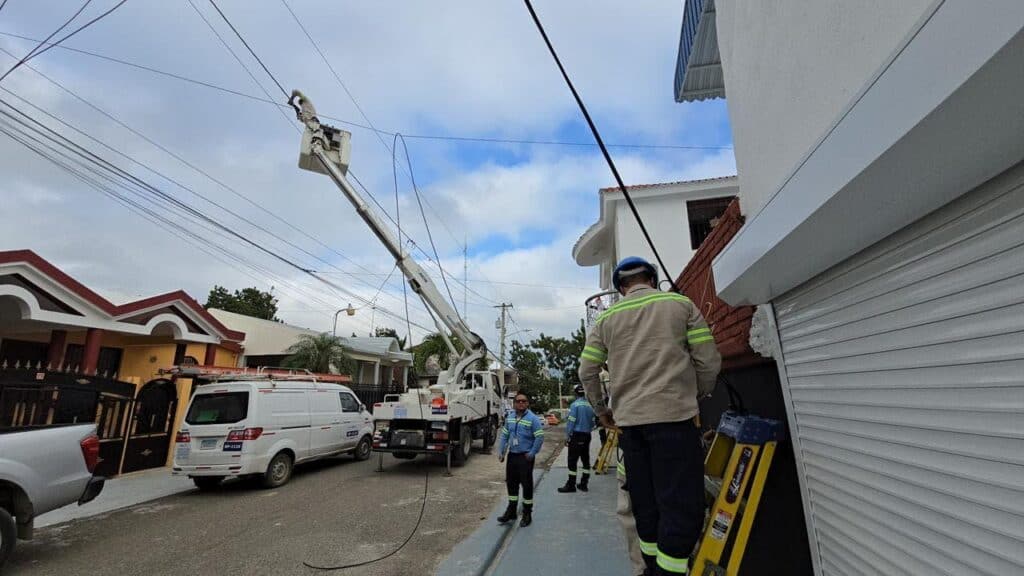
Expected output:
(248, 301)
(384, 331)
(562, 357)
(534, 380)
(319, 353)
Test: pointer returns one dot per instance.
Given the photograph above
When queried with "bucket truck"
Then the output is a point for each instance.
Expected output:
(466, 403)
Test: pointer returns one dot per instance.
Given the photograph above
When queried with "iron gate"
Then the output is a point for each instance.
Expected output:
(152, 426)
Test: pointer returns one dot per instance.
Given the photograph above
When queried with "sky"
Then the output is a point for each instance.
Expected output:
(502, 216)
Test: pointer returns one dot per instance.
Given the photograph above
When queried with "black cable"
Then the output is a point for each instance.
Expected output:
(398, 216)
(26, 57)
(72, 33)
(171, 200)
(439, 137)
(2, 4)
(597, 136)
(249, 48)
(426, 224)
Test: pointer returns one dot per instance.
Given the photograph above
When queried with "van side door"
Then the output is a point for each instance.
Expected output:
(287, 412)
(327, 430)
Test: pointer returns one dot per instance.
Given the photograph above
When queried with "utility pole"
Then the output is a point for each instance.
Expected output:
(501, 326)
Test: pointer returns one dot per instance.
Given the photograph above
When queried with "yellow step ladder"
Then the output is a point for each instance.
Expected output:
(735, 470)
(606, 456)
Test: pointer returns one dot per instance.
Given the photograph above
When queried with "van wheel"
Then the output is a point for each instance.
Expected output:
(8, 532)
(206, 483)
(279, 471)
(465, 447)
(362, 451)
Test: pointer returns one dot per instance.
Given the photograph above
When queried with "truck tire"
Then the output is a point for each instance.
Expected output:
(206, 483)
(491, 433)
(279, 471)
(8, 533)
(465, 447)
(362, 451)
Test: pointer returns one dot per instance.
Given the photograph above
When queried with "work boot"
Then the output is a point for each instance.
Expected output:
(510, 513)
(584, 482)
(527, 516)
(570, 485)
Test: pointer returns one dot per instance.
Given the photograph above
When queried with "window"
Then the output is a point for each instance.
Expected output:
(221, 408)
(349, 403)
(703, 216)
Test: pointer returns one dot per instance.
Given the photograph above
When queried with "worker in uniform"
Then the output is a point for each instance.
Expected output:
(577, 437)
(661, 357)
(522, 435)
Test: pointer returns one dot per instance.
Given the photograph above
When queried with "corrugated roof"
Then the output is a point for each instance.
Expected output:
(676, 183)
(699, 65)
(384, 347)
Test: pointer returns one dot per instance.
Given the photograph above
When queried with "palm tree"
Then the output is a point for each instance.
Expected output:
(319, 353)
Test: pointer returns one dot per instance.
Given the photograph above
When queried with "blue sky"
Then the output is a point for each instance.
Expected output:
(456, 68)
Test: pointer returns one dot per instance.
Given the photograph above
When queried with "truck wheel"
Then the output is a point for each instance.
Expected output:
(465, 447)
(206, 483)
(279, 471)
(491, 433)
(362, 451)
(8, 532)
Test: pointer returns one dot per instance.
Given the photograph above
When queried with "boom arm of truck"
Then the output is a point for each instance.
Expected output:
(325, 149)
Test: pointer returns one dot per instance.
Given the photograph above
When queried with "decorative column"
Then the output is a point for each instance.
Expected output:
(211, 355)
(55, 353)
(91, 355)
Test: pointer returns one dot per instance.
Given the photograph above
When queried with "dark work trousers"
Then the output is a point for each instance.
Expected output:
(579, 449)
(665, 474)
(519, 472)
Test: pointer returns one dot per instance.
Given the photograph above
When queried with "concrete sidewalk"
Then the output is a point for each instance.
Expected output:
(576, 533)
(121, 492)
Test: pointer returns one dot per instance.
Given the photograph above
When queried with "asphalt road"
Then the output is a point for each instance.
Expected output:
(332, 512)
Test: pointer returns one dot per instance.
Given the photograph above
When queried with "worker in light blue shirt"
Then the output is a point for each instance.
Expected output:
(522, 435)
(577, 437)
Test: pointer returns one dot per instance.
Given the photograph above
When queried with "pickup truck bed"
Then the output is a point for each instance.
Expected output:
(43, 469)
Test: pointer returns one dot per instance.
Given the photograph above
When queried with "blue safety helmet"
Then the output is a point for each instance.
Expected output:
(630, 266)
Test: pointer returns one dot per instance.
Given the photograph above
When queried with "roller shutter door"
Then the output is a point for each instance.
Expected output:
(905, 374)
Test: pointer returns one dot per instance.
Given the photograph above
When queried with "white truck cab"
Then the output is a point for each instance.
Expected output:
(264, 427)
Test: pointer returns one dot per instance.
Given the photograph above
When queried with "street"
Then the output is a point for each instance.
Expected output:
(332, 512)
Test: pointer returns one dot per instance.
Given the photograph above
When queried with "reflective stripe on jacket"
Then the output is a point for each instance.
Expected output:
(527, 428)
(581, 418)
(661, 357)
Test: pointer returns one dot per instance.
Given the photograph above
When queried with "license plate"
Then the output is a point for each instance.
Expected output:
(207, 443)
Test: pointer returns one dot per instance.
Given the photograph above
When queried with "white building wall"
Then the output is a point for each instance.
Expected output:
(666, 222)
(784, 87)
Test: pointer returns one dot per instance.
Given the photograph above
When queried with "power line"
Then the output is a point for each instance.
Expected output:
(29, 54)
(33, 54)
(288, 121)
(435, 137)
(249, 48)
(597, 136)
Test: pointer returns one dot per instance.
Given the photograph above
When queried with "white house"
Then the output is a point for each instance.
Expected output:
(880, 147)
(378, 360)
(677, 215)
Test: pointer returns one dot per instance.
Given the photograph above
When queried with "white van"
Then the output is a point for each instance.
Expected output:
(264, 427)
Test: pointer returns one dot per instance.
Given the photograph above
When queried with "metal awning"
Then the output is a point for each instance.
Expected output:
(699, 65)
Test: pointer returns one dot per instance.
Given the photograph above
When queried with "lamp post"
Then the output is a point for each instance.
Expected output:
(350, 311)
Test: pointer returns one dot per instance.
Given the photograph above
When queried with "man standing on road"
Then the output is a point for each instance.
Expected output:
(577, 438)
(522, 436)
(661, 358)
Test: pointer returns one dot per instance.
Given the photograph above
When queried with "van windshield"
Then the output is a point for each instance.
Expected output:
(218, 408)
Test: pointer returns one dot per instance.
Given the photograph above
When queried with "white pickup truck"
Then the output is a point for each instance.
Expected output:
(41, 470)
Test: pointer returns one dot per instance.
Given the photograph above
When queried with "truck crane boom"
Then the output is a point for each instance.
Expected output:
(466, 403)
(325, 147)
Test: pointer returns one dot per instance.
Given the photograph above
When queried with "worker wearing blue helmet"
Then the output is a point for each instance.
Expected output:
(661, 357)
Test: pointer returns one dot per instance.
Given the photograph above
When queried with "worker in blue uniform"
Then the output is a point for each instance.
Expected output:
(580, 423)
(522, 435)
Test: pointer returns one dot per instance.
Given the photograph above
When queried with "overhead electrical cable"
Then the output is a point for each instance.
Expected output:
(34, 53)
(600, 142)
(38, 46)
